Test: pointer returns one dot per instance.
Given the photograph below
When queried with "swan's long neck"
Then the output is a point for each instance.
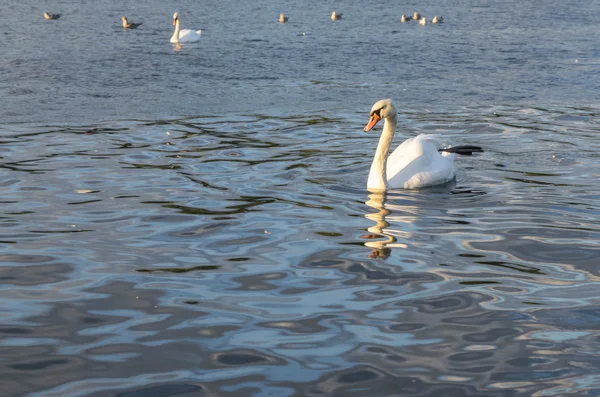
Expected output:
(377, 176)
(175, 37)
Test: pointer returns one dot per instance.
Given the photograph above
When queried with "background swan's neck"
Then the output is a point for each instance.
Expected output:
(377, 175)
(175, 37)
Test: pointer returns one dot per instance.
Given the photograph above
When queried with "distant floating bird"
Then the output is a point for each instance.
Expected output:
(129, 25)
(48, 16)
(404, 18)
(335, 16)
(437, 19)
(282, 18)
(416, 16)
(183, 35)
(422, 21)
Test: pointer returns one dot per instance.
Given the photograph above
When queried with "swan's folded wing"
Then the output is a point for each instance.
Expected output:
(422, 172)
(417, 163)
(189, 35)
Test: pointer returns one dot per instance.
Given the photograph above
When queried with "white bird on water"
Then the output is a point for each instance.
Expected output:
(418, 162)
(183, 35)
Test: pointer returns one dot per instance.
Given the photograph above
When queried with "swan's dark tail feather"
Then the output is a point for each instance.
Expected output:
(465, 150)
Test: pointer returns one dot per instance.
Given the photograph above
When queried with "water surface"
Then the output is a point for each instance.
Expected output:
(194, 221)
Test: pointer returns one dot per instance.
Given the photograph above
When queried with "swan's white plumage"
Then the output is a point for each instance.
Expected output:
(183, 35)
(417, 163)
(414, 164)
(188, 36)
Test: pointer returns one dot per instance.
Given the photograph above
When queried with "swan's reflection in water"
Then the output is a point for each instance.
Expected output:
(381, 249)
(404, 211)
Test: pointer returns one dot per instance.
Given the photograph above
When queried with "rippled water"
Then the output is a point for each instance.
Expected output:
(228, 246)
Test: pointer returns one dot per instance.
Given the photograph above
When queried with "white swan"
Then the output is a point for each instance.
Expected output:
(416, 163)
(183, 35)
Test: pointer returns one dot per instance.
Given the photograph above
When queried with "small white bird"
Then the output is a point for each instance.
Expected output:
(404, 18)
(437, 19)
(416, 16)
(422, 21)
(335, 16)
(282, 18)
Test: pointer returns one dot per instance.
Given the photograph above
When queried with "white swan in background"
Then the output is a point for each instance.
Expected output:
(183, 35)
(416, 163)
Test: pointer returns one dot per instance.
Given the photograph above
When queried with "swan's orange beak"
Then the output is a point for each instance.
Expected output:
(174, 23)
(374, 120)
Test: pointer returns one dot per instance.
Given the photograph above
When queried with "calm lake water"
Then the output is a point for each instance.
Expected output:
(194, 221)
